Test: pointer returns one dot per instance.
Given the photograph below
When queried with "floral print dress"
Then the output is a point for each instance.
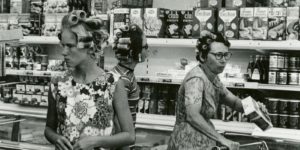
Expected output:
(200, 87)
(84, 109)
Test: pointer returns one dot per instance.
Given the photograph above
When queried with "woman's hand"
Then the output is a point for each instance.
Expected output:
(230, 144)
(63, 143)
(84, 143)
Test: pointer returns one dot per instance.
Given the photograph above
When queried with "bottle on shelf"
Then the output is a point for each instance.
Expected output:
(250, 68)
(255, 77)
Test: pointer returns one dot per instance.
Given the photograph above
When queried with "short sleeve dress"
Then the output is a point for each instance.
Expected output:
(198, 87)
(84, 109)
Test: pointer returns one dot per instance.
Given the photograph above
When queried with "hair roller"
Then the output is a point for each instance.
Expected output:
(124, 28)
(81, 14)
(94, 24)
(73, 19)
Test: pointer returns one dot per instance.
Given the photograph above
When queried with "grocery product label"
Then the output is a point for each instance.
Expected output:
(121, 17)
(172, 30)
(204, 20)
(294, 3)
(186, 24)
(279, 3)
(155, 22)
(228, 22)
(136, 17)
(292, 23)
(246, 23)
(260, 23)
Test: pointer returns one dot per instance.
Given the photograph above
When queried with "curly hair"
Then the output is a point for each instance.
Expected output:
(88, 31)
(203, 45)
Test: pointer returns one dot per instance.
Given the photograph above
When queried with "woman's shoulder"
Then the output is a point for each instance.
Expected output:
(196, 72)
(62, 77)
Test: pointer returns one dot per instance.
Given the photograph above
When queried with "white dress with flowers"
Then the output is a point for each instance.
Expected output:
(84, 109)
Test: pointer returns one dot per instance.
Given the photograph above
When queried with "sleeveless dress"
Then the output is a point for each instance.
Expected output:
(84, 109)
(207, 92)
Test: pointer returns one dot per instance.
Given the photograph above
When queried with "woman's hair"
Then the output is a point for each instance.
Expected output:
(88, 31)
(203, 45)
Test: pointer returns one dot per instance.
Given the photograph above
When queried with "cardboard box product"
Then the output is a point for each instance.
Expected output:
(204, 20)
(16, 6)
(255, 114)
(279, 3)
(277, 23)
(136, 17)
(246, 23)
(292, 23)
(294, 3)
(120, 18)
(155, 22)
(186, 24)
(235, 3)
(172, 29)
(228, 22)
(260, 23)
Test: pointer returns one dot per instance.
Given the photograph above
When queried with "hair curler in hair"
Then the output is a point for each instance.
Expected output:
(73, 19)
(94, 24)
(81, 14)
(123, 47)
(124, 28)
(124, 41)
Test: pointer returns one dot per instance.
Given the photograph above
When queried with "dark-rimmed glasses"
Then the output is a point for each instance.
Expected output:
(220, 55)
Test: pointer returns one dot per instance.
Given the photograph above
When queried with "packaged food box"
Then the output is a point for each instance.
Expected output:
(136, 17)
(186, 24)
(260, 23)
(292, 23)
(204, 20)
(228, 21)
(155, 22)
(172, 22)
(120, 18)
(279, 3)
(235, 3)
(294, 3)
(49, 28)
(246, 23)
(255, 114)
(16, 6)
(277, 23)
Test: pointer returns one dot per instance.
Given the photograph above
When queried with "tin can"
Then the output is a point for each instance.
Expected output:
(292, 62)
(283, 106)
(286, 61)
(44, 59)
(293, 121)
(283, 120)
(273, 104)
(293, 77)
(273, 60)
(280, 60)
(293, 107)
(282, 77)
(272, 77)
(274, 119)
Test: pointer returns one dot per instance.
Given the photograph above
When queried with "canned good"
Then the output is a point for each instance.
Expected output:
(293, 77)
(280, 60)
(282, 76)
(44, 59)
(272, 76)
(273, 105)
(286, 61)
(292, 62)
(283, 106)
(44, 67)
(294, 121)
(274, 119)
(294, 107)
(273, 57)
(283, 120)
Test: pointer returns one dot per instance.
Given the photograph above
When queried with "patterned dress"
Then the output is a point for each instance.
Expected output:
(84, 109)
(199, 87)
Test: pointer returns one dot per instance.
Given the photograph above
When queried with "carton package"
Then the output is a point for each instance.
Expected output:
(260, 23)
(228, 20)
(294, 3)
(277, 23)
(246, 23)
(279, 3)
(155, 22)
(204, 20)
(136, 17)
(253, 112)
(186, 24)
(292, 23)
(172, 22)
(16, 6)
(235, 3)
(120, 18)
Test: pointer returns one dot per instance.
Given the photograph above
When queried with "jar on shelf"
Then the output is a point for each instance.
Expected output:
(283, 120)
(274, 119)
(282, 77)
(292, 62)
(293, 121)
(293, 77)
(272, 76)
(273, 60)
(293, 107)
(283, 106)
(273, 104)
(281, 60)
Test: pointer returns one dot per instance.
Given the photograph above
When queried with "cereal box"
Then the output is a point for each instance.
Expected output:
(120, 18)
(279, 3)
(246, 23)
(228, 22)
(204, 20)
(292, 23)
(186, 24)
(136, 17)
(260, 23)
(277, 23)
(294, 3)
(172, 29)
(155, 22)
(235, 3)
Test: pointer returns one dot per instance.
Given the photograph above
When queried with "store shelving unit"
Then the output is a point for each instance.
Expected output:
(33, 73)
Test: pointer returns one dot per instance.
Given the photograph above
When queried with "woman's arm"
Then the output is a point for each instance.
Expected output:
(193, 101)
(127, 134)
(232, 101)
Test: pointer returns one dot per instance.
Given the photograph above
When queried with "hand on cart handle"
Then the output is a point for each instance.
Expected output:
(259, 145)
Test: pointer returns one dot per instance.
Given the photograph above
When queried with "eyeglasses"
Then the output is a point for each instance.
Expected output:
(219, 56)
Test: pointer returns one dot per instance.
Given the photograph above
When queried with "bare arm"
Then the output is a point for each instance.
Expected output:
(232, 101)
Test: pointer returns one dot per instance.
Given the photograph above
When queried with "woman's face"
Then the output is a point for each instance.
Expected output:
(73, 56)
(216, 66)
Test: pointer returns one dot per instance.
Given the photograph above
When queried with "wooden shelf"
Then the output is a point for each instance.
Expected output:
(33, 73)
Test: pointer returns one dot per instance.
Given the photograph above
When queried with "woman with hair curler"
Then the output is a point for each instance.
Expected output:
(84, 101)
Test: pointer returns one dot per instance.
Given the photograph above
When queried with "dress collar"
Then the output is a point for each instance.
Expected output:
(213, 78)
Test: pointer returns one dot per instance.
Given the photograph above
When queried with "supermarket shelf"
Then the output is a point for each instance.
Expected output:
(33, 73)
(191, 43)
(5, 144)
(15, 109)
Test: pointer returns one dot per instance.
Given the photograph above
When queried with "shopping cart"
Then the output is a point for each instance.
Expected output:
(262, 145)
